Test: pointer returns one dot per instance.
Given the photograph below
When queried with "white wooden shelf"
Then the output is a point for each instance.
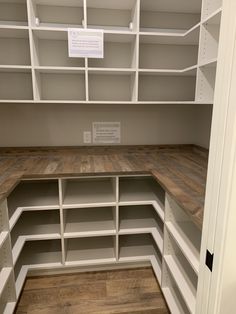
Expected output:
(82, 192)
(210, 7)
(59, 14)
(42, 253)
(140, 190)
(33, 195)
(89, 222)
(139, 220)
(5, 273)
(33, 223)
(90, 250)
(157, 15)
(179, 275)
(188, 238)
(113, 15)
(13, 12)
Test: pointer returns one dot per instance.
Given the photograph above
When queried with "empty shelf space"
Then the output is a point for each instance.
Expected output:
(89, 221)
(140, 190)
(119, 52)
(172, 294)
(111, 87)
(13, 12)
(188, 238)
(156, 87)
(140, 217)
(92, 249)
(7, 296)
(35, 195)
(61, 86)
(16, 85)
(36, 223)
(160, 56)
(88, 191)
(41, 253)
(51, 49)
(15, 48)
(138, 246)
(178, 274)
(57, 14)
(168, 15)
(113, 15)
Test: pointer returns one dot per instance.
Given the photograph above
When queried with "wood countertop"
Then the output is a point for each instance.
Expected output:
(180, 169)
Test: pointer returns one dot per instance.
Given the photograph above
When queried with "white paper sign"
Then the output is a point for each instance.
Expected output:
(85, 43)
(106, 132)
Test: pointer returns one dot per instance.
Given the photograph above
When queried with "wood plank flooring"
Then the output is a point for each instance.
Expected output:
(133, 291)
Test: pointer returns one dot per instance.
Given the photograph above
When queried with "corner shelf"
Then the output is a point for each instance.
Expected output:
(169, 15)
(32, 195)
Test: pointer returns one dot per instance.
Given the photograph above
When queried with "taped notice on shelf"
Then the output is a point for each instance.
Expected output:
(106, 132)
(85, 43)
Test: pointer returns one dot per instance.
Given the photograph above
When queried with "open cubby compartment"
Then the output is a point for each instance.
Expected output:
(206, 79)
(157, 16)
(154, 54)
(13, 12)
(89, 221)
(167, 86)
(51, 49)
(90, 250)
(15, 48)
(16, 84)
(139, 217)
(60, 13)
(184, 231)
(56, 84)
(119, 52)
(112, 86)
(140, 247)
(90, 191)
(41, 253)
(182, 272)
(209, 7)
(32, 195)
(37, 225)
(113, 15)
(209, 42)
(8, 295)
(137, 190)
(172, 293)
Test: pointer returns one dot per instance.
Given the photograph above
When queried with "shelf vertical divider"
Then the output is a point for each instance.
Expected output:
(117, 217)
(85, 25)
(136, 86)
(35, 81)
(61, 186)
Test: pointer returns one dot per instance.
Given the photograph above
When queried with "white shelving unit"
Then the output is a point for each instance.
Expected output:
(92, 221)
(150, 52)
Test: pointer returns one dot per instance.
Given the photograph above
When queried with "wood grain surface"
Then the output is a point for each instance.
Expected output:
(180, 169)
(132, 291)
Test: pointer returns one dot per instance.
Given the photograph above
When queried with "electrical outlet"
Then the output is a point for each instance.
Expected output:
(87, 137)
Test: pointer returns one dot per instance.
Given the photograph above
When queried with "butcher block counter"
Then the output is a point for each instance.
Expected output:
(180, 169)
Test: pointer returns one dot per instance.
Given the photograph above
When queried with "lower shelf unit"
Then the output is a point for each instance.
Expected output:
(61, 224)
